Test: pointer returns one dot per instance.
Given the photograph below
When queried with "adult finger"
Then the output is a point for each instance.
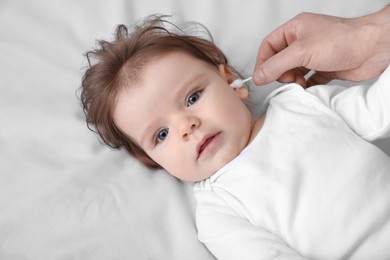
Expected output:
(320, 78)
(275, 42)
(296, 75)
(278, 64)
(291, 75)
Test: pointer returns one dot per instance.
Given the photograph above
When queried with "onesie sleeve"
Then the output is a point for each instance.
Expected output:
(366, 109)
(230, 236)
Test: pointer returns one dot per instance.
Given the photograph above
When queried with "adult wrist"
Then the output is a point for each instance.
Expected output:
(375, 28)
(383, 39)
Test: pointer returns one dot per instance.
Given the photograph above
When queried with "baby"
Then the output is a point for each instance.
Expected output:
(299, 182)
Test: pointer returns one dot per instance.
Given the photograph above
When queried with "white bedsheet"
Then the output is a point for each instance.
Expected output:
(63, 195)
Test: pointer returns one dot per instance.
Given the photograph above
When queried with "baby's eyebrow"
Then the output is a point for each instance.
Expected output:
(190, 81)
(194, 79)
(184, 87)
(146, 133)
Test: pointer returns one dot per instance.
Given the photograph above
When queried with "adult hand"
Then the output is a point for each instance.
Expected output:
(352, 49)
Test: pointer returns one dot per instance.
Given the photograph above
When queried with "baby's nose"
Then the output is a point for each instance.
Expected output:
(188, 126)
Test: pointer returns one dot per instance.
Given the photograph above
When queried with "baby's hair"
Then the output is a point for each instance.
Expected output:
(114, 65)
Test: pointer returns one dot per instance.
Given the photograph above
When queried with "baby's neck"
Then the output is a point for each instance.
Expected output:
(257, 125)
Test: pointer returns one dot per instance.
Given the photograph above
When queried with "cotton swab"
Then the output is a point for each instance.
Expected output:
(238, 83)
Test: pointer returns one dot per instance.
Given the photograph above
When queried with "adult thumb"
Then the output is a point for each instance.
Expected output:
(267, 71)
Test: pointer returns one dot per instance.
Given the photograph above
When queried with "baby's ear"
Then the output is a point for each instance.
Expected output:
(242, 92)
(228, 75)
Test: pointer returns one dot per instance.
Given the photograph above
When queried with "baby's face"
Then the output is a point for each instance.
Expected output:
(185, 116)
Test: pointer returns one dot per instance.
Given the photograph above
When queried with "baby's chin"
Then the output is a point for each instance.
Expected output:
(205, 169)
(194, 175)
(215, 168)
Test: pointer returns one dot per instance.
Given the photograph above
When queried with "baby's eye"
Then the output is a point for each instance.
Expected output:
(193, 98)
(161, 135)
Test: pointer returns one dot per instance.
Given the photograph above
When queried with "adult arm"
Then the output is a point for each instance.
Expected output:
(352, 49)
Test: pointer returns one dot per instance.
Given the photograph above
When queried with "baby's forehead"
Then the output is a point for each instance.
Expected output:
(133, 69)
(173, 60)
(178, 55)
(164, 76)
(170, 68)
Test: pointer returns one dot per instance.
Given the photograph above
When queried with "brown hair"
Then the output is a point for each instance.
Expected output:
(121, 61)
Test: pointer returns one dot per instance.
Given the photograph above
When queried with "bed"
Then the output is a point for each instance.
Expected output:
(64, 195)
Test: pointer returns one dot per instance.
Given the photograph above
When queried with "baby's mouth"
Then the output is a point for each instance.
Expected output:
(207, 144)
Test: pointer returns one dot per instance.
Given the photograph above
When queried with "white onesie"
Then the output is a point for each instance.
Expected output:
(310, 185)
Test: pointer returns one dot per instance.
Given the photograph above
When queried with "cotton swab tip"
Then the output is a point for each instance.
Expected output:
(238, 83)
